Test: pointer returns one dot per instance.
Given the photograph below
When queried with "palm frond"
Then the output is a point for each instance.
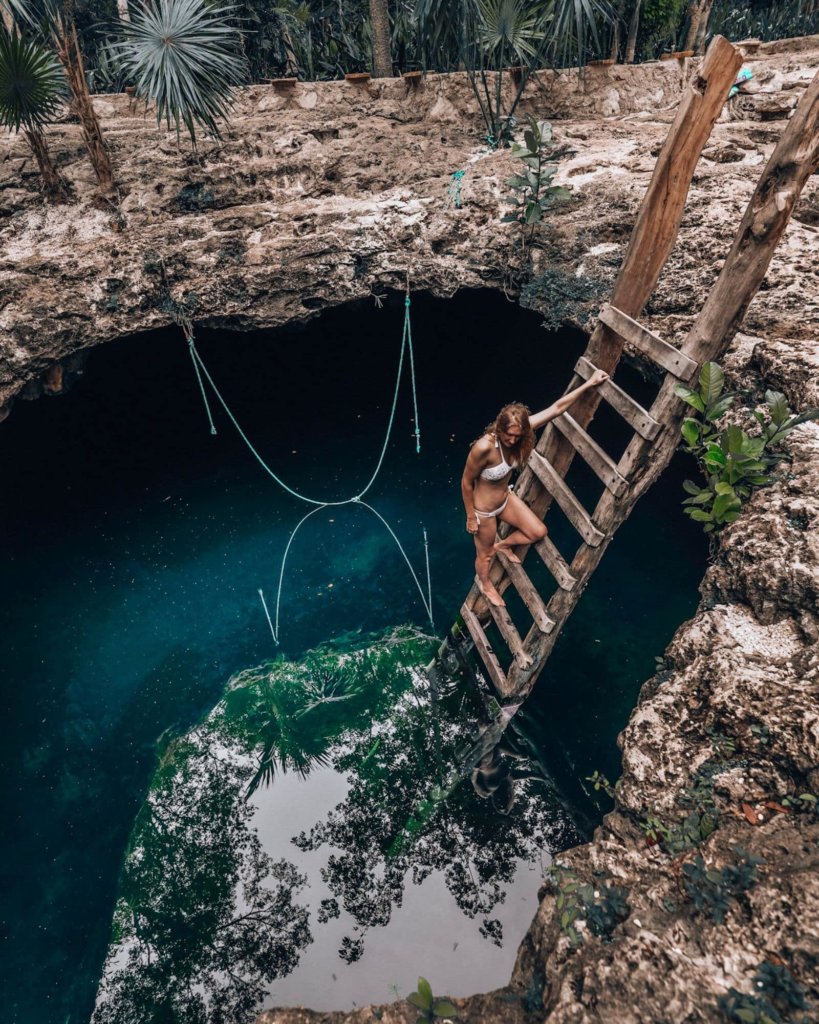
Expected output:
(511, 23)
(573, 22)
(31, 82)
(182, 56)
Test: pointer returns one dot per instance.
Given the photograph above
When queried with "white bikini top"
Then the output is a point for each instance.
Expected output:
(499, 471)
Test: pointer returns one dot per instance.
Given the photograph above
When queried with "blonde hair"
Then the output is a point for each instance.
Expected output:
(515, 414)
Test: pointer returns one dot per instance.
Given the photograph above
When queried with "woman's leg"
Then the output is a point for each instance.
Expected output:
(484, 552)
(526, 527)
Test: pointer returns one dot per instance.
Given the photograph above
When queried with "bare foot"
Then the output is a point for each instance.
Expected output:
(510, 554)
(491, 595)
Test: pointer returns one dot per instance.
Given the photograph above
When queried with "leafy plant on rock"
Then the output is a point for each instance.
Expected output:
(534, 192)
(601, 908)
(733, 461)
(778, 995)
(430, 1008)
(711, 890)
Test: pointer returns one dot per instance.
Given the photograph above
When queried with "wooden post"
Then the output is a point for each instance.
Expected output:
(794, 159)
(655, 231)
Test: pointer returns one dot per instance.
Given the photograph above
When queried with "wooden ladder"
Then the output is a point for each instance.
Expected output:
(656, 430)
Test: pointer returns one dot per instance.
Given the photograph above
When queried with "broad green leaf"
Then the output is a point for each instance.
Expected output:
(417, 1001)
(692, 398)
(700, 516)
(690, 431)
(777, 405)
(531, 141)
(533, 213)
(690, 487)
(733, 439)
(559, 192)
(444, 1008)
(719, 408)
(425, 992)
(723, 488)
(712, 381)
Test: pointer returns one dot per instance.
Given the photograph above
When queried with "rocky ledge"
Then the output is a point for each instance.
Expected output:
(705, 873)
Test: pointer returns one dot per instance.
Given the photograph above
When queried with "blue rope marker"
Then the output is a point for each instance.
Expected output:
(406, 347)
(454, 188)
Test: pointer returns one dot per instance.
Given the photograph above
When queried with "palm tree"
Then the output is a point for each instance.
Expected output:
(31, 92)
(633, 27)
(380, 22)
(182, 56)
(63, 32)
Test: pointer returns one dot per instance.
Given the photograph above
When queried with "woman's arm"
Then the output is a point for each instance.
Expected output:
(557, 408)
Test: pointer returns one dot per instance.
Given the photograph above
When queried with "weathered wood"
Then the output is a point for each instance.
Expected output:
(529, 594)
(555, 563)
(631, 411)
(649, 343)
(561, 492)
(507, 630)
(651, 242)
(595, 458)
(484, 649)
(795, 157)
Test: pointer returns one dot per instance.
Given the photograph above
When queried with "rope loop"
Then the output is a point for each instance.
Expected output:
(406, 347)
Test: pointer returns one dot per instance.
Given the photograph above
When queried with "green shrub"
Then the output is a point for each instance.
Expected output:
(711, 890)
(733, 462)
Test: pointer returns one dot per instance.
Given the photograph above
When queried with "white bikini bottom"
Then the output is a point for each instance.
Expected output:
(495, 512)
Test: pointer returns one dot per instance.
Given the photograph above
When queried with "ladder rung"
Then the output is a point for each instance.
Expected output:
(559, 489)
(650, 344)
(592, 454)
(484, 649)
(528, 592)
(555, 563)
(632, 412)
(507, 630)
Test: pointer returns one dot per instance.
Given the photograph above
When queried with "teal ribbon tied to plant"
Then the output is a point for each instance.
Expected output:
(454, 189)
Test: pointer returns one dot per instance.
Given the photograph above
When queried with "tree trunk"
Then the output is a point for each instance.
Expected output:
(67, 47)
(380, 24)
(633, 27)
(616, 31)
(702, 29)
(694, 15)
(123, 10)
(291, 61)
(56, 190)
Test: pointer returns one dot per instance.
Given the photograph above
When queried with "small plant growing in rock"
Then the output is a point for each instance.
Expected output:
(533, 190)
(732, 461)
(711, 890)
(599, 781)
(430, 1008)
(779, 995)
(807, 803)
(579, 903)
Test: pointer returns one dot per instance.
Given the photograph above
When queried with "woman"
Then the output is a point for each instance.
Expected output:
(505, 446)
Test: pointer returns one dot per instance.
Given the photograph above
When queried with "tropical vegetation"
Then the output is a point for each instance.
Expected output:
(733, 462)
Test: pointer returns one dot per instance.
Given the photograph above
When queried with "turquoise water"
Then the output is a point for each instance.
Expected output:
(134, 545)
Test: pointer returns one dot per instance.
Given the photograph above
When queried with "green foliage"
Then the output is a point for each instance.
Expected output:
(561, 297)
(732, 461)
(711, 890)
(599, 781)
(534, 192)
(806, 803)
(601, 908)
(764, 19)
(431, 1009)
(32, 86)
(779, 995)
(182, 56)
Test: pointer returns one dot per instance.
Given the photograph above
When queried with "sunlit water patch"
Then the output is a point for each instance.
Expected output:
(332, 829)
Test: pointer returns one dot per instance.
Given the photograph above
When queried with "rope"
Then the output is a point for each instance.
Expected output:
(406, 346)
(192, 350)
(454, 188)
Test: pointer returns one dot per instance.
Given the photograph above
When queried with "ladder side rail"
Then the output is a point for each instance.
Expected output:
(652, 239)
(794, 159)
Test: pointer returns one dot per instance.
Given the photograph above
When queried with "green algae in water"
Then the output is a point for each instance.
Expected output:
(207, 921)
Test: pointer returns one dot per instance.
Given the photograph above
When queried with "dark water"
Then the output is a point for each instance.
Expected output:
(134, 545)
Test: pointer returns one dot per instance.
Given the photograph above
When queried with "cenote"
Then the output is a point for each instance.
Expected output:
(135, 546)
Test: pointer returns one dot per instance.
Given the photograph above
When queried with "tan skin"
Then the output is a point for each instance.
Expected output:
(485, 495)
